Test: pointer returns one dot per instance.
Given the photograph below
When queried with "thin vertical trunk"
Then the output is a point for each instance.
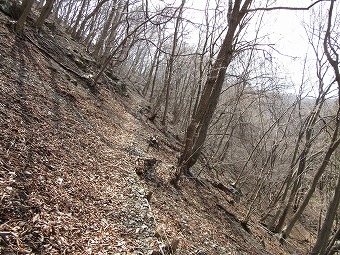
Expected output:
(305, 131)
(197, 129)
(331, 248)
(45, 12)
(26, 8)
(104, 32)
(154, 79)
(77, 33)
(68, 20)
(55, 10)
(168, 76)
(235, 105)
(323, 236)
(79, 16)
(332, 147)
(335, 140)
(153, 65)
(113, 32)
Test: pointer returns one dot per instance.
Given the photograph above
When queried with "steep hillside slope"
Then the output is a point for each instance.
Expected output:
(80, 173)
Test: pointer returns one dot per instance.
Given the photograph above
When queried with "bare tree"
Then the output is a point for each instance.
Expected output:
(77, 31)
(332, 58)
(104, 32)
(45, 12)
(79, 16)
(170, 63)
(197, 129)
(25, 10)
(323, 236)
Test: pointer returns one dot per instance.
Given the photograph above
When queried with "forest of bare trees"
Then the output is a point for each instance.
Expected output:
(224, 95)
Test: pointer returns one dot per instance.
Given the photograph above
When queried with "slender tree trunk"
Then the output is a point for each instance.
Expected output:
(77, 33)
(68, 21)
(334, 144)
(306, 131)
(79, 16)
(323, 236)
(104, 32)
(331, 248)
(26, 8)
(113, 32)
(56, 9)
(154, 79)
(168, 76)
(197, 129)
(45, 12)
(153, 65)
(335, 139)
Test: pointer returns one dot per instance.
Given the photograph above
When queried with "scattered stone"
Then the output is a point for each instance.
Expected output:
(50, 25)
(153, 142)
(139, 170)
(148, 196)
(80, 63)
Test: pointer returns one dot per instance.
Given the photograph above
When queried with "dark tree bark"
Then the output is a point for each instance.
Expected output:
(332, 147)
(323, 236)
(169, 69)
(78, 32)
(79, 16)
(104, 33)
(327, 46)
(45, 12)
(197, 130)
(25, 10)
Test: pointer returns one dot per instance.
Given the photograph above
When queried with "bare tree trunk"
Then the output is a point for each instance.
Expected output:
(26, 8)
(323, 236)
(235, 105)
(153, 66)
(334, 144)
(56, 9)
(154, 78)
(79, 16)
(293, 179)
(77, 33)
(331, 248)
(104, 32)
(91, 31)
(67, 19)
(335, 140)
(170, 66)
(197, 129)
(45, 12)
(113, 31)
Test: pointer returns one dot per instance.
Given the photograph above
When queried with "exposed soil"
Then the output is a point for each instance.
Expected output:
(83, 170)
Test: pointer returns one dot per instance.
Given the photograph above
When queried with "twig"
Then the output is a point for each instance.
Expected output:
(6, 233)
(286, 7)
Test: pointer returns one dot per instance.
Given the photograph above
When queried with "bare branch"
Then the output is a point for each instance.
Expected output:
(287, 8)
(326, 43)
